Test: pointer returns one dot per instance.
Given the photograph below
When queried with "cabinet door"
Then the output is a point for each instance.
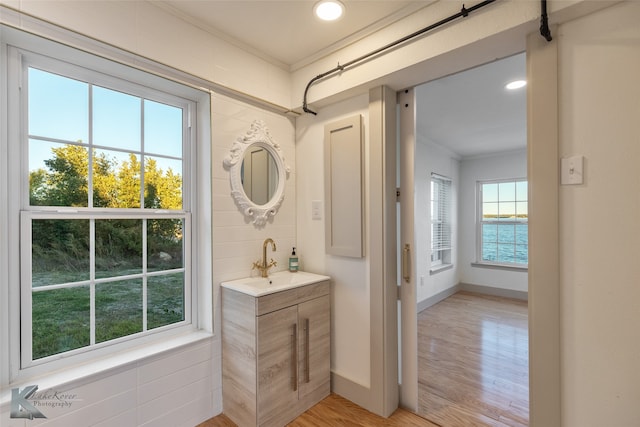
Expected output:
(314, 360)
(277, 367)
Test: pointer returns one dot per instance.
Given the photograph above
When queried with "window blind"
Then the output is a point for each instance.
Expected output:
(440, 212)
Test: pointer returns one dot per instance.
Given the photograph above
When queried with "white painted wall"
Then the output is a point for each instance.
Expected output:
(430, 157)
(350, 324)
(146, 29)
(447, 50)
(599, 61)
(483, 168)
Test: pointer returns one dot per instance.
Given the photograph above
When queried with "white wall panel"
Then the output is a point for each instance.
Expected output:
(495, 31)
(150, 31)
(350, 327)
(177, 397)
(91, 414)
(237, 242)
(184, 415)
(160, 367)
(183, 377)
(599, 63)
(160, 388)
(126, 418)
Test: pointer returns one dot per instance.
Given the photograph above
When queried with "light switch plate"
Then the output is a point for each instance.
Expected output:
(316, 209)
(571, 170)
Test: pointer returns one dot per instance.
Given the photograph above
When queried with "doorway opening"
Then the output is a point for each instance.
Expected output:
(469, 246)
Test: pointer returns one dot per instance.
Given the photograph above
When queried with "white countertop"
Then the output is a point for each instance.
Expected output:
(276, 282)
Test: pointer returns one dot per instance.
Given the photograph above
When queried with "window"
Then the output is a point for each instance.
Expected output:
(440, 220)
(107, 214)
(503, 227)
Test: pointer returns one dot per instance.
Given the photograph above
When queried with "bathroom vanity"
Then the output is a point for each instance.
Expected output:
(276, 347)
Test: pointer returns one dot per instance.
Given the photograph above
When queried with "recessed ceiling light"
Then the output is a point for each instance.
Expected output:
(328, 10)
(516, 84)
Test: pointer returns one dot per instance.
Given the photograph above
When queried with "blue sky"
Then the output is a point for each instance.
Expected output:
(504, 198)
(59, 109)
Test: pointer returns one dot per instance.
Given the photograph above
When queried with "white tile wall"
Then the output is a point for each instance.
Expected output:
(236, 242)
(177, 389)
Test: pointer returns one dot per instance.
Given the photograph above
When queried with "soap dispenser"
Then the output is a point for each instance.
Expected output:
(293, 261)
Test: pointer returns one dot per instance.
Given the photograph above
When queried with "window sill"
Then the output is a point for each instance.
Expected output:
(94, 370)
(439, 268)
(500, 266)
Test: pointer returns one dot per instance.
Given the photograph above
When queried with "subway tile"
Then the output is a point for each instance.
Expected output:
(165, 405)
(95, 413)
(190, 414)
(176, 361)
(126, 418)
(165, 384)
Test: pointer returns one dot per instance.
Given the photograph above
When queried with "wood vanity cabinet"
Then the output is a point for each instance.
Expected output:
(276, 353)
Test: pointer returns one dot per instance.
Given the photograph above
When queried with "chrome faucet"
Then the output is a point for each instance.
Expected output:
(262, 265)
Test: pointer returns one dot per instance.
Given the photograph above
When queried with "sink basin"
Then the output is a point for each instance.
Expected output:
(276, 282)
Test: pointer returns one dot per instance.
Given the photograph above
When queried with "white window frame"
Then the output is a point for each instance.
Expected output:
(479, 223)
(441, 245)
(18, 47)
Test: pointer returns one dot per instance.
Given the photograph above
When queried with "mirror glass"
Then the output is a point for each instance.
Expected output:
(259, 175)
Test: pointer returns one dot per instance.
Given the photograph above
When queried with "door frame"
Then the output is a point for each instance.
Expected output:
(544, 265)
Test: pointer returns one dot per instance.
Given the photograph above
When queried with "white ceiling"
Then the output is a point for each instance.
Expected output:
(470, 112)
(287, 32)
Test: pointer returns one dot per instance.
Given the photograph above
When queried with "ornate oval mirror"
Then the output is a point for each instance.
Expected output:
(257, 173)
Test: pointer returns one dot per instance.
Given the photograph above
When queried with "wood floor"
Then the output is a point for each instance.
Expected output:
(473, 371)
(473, 356)
(340, 412)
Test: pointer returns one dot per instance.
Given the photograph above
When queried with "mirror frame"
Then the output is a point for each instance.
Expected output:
(258, 135)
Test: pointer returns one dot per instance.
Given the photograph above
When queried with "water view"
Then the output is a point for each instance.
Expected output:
(505, 243)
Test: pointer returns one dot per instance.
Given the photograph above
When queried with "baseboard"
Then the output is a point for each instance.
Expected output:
(350, 390)
(440, 296)
(490, 290)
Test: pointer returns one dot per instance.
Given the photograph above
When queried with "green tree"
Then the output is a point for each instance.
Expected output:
(64, 182)
(171, 190)
(37, 186)
(162, 190)
(128, 183)
(105, 189)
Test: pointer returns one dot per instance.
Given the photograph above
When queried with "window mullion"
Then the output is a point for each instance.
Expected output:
(144, 274)
(142, 156)
(26, 347)
(92, 279)
(91, 150)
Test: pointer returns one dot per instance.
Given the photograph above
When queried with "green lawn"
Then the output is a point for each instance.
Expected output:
(61, 317)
